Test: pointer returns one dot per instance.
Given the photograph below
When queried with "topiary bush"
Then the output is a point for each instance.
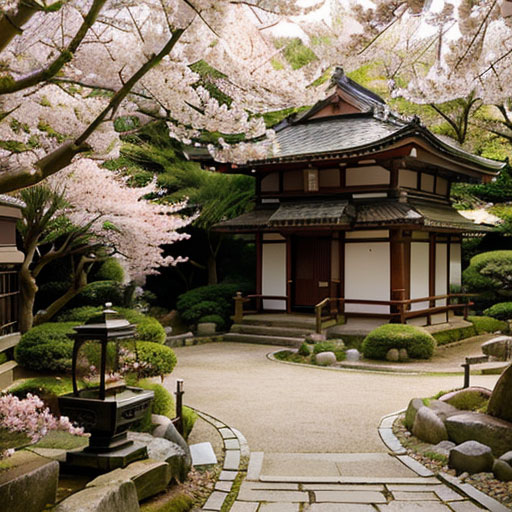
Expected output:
(484, 324)
(81, 314)
(500, 311)
(201, 309)
(216, 319)
(160, 358)
(150, 329)
(418, 342)
(46, 347)
(98, 293)
(110, 270)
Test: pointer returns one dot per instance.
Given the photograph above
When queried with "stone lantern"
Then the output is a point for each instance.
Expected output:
(105, 412)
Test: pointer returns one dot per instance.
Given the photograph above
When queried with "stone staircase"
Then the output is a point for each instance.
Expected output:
(272, 329)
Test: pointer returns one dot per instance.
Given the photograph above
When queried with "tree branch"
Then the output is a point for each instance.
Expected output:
(11, 24)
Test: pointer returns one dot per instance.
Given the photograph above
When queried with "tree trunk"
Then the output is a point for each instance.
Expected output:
(212, 269)
(28, 290)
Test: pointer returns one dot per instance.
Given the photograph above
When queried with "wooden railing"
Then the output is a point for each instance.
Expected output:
(399, 309)
(256, 300)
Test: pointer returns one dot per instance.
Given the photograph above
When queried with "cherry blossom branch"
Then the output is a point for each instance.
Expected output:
(65, 56)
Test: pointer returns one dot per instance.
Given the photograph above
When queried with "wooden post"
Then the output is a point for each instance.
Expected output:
(397, 261)
(289, 281)
(178, 423)
(239, 308)
(318, 314)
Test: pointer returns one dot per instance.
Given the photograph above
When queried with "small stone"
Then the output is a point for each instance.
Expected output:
(403, 355)
(315, 337)
(352, 355)
(393, 355)
(429, 427)
(325, 358)
(507, 457)
(502, 470)
(206, 328)
(443, 448)
(471, 457)
(414, 406)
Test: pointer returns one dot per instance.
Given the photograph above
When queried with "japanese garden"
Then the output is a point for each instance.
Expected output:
(255, 255)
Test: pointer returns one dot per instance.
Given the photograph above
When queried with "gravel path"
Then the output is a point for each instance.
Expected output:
(287, 408)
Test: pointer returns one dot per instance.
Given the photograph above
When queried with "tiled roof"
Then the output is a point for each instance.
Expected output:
(386, 211)
(312, 213)
(11, 201)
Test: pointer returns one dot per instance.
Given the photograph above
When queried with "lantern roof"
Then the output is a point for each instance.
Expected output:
(109, 326)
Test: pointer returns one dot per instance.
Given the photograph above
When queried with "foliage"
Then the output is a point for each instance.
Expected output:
(296, 53)
(98, 293)
(110, 270)
(42, 387)
(79, 315)
(470, 401)
(216, 319)
(203, 308)
(497, 191)
(324, 346)
(160, 358)
(150, 329)
(453, 335)
(484, 324)
(418, 342)
(500, 311)
(46, 347)
(304, 349)
(179, 503)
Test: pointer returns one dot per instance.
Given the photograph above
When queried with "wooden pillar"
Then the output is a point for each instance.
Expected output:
(341, 258)
(432, 273)
(259, 263)
(289, 280)
(398, 283)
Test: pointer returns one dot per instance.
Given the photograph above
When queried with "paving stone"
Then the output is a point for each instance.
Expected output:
(273, 496)
(231, 444)
(414, 488)
(228, 475)
(446, 494)
(391, 441)
(244, 445)
(279, 507)
(337, 507)
(415, 465)
(202, 454)
(415, 496)
(413, 506)
(255, 465)
(271, 486)
(465, 506)
(389, 480)
(223, 486)
(215, 501)
(244, 506)
(343, 487)
(350, 496)
(387, 422)
(226, 433)
(232, 459)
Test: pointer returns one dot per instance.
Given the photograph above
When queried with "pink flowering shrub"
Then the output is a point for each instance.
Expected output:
(26, 421)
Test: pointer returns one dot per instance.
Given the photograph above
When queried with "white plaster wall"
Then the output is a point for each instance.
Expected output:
(419, 274)
(455, 264)
(274, 274)
(407, 178)
(441, 272)
(374, 175)
(367, 275)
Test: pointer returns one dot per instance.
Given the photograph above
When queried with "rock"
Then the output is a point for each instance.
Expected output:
(443, 448)
(325, 358)
(149, 476)
(502, 470)
(493, 432)
(168, 331)
(164, 450)
(340, 344)
(352, 355)
(414, 406)
(429, 427)
(161, 422)
(315, 337)
(507, 457)
(460, 395)
(116, 497)
(403, 355)
(206, 329)
(471, 457)
(499, 347)
(171, 434)
(392, 355)
(28, 482)
(178, 340)
(443, 409)
(500, 403)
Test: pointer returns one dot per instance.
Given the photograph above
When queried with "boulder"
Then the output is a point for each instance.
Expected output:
(149, 476)
(502, 470)
(443, 448)
(325, 358)
(500, 403)
(352, 355)
(429, 427)
(167, 430)
(443, 409)
(403, 355)
(507, 457)
(206, 329)
(116, 497)
(462, 395)
(28, 482)
(163, 450)
(471, 457)
(392, 355)
(493, 432)
(414, 406)
(498, 347)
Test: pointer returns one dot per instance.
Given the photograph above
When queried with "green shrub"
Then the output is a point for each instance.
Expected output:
(98, 293)
(81, 314)
(150, 329)
(46, 347)
(500, 311)
(324, 346)
(201, 309)
(161, 358)
(110, 270)
(484, 324)
(3, 358)
(42, 386)
(453, 335)
(189, 418)
(304, 349)
(216, 319)
(419, 343)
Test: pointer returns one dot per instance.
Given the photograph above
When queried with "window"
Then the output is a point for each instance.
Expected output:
(311, 180)
(9, 292)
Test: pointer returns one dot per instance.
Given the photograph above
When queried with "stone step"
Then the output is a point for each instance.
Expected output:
(263, 340)
(307, 324)
(270, 330)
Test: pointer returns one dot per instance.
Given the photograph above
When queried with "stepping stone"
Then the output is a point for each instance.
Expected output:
(202, 454)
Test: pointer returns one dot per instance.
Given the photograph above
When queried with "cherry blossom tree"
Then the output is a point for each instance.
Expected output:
(70, 68)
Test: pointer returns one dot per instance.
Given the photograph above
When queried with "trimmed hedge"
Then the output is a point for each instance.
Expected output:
(110, 270)
(216, 319)
(418, 342)
(161, 358)
(453, 335)
(484, 324)
(500, 311)
(98, 293)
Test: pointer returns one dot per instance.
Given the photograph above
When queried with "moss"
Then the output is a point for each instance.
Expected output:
(42, 386)
(62, 440)
(13, 146)
(486, 324)
(180, 503)
(44, 127)
(453, 335)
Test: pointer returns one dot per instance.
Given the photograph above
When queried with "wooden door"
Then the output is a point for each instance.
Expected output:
(312, 270)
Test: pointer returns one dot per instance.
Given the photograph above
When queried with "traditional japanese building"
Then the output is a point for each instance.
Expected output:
(354, 204)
